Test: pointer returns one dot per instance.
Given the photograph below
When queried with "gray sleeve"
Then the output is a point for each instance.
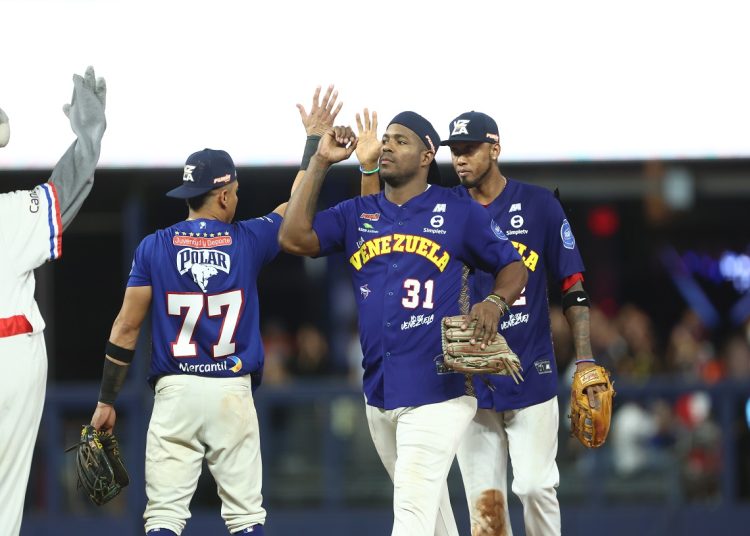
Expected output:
(73, 175)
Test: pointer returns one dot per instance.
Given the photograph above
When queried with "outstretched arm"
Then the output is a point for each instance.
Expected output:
(119, 354)
(317, 122)
(73, 175)
(297, 235)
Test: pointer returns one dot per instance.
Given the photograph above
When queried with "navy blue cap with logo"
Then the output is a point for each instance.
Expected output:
(204, 171)
(472, 127)
(427, 133)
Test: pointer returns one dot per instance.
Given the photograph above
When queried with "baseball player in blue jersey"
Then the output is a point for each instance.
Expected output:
(517, 419)
(406, 249)
(199, 278)
(520, 420)
(31, 229)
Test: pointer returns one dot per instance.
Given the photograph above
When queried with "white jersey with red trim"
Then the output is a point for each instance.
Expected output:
(30, 235)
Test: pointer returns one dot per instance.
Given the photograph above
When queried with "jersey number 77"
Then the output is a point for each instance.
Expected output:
(190, 306)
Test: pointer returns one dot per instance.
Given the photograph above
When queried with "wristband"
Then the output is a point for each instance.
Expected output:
(311, 145)
(576, 298)
(362, 170)
(113, 377)
(500, 302)
(589, 360)
(119, 353)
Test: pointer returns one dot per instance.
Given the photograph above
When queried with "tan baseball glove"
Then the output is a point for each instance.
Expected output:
(460, 355)
(591, 425)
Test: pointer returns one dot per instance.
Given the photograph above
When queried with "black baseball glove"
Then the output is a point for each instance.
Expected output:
(101, 471)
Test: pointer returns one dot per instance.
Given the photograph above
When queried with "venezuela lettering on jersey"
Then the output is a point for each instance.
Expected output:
(400, 243)
(528, 256)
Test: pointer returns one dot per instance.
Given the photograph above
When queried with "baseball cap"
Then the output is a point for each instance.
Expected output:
(427, 133)
(473, 126)
(204, 171)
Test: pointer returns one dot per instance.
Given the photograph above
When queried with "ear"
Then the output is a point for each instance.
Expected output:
(495, 151)
(223, 198)
(427, 157)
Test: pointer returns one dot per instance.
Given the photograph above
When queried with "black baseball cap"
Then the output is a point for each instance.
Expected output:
(427, 133)
(473, 126)
(204, 171)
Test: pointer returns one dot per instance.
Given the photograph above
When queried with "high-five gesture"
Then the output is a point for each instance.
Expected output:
(337, 144)
(322, 114)
(368, 146)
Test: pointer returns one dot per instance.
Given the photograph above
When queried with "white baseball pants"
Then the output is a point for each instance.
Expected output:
(195, 418)
(529, 435)
(417, 446)
(22, 386)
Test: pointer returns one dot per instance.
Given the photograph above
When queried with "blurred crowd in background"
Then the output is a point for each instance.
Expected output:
(651, 439)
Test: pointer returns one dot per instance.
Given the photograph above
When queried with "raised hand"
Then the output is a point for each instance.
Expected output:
(368, 146)
(86, 108)
(322, 114)
(337, 144)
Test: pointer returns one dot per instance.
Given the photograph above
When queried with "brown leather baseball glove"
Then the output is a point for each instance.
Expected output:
(591, 425)
(460, 355)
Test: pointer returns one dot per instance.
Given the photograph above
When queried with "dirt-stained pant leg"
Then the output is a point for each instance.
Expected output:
(22, 386)
(532, 442)
(483, 460)
(417, 450)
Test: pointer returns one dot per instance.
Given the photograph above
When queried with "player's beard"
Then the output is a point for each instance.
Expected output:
(477, 180)
(396, 178)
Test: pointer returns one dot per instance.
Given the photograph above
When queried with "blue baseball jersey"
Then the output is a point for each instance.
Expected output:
(406, 264)
(534, 221)
(204, 310)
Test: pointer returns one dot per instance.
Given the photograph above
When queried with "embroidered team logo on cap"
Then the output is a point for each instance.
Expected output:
(460, 126)
(187, 175)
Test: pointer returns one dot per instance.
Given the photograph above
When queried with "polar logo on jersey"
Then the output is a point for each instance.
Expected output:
(460, 127)
(237, 363)
(187, 176)
(437, 221)
(202, 264)
(497, 230)
(516, 221)
(566, 233)
(543, 366)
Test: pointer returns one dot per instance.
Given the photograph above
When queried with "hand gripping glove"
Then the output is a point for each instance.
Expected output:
(591, 425)
(461, 356)
(100, 468)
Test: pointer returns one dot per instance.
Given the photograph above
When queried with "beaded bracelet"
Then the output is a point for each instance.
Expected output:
(361, 169)
(500, 302)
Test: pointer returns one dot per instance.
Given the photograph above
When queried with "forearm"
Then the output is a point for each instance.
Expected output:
(296, 234)
(510, 281)
(119, 353)
(73, 177)
(370, 184)
(578, 320)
